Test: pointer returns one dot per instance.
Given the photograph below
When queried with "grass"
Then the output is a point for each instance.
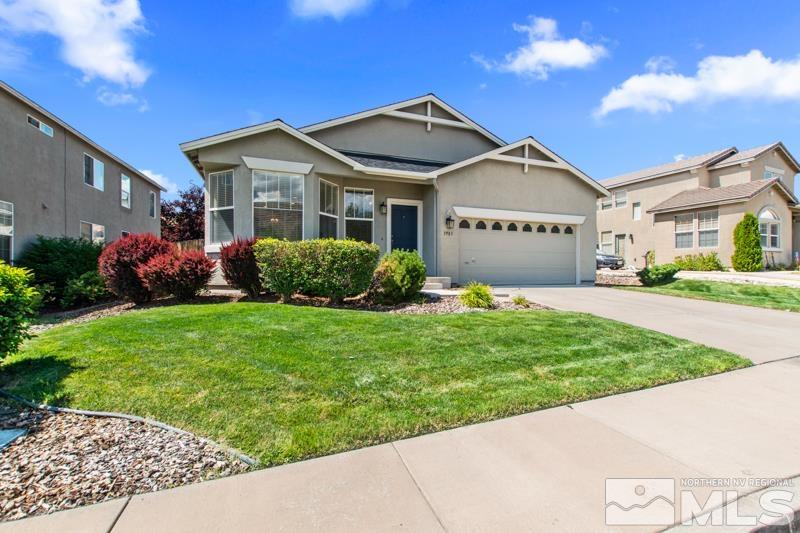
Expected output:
(283, 383)
(784, 298)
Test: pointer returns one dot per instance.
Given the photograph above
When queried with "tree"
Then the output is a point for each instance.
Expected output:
(747, 256)
(183, 219)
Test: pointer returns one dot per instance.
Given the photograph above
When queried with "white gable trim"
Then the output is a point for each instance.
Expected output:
(498, 155)
(389, 109)
(516, 216)
(276, 165)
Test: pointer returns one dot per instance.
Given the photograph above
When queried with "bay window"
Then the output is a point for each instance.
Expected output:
(684, 231)
(220, 211)
(328, 210)
(277, 205)
(358, 214)
(708, 229)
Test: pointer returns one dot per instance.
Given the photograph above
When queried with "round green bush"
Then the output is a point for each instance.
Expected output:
(658, 275)
(86, 289)
(747, 256)
(399, 277)
(19, 302)
(278, 262)
(477, 296)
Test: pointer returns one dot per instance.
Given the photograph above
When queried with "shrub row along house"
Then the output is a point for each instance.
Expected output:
(414, 175)
(692, 205)
(55, 181)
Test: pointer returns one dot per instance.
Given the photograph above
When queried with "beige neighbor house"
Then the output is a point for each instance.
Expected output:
(692, 206)
(417, 174)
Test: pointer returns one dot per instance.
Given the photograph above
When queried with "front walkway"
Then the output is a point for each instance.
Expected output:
(541, 471)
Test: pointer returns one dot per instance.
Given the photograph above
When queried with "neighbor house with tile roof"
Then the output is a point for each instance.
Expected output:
(692, 205)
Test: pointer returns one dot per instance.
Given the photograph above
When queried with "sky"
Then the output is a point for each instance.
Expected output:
(612, 86)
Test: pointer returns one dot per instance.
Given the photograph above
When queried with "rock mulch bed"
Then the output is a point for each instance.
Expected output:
(451, 304)
(67, 460)
(618, 277)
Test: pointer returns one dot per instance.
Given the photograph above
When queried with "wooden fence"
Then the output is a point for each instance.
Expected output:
(194, 244)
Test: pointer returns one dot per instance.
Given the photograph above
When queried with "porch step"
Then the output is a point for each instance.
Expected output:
(436, 283)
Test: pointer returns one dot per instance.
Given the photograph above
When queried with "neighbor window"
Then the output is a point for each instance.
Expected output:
(708, 229)
(41, 126)
(124, 233)
(152, 207)
(358, 214)
(684, 231)
(637, 211)
(277, 205)
(769, 226)
(220, 210)
(605, 203)
(497, 226)
(93, 232)
(606, 244)
(125, 191)
(512, 227)
(620, 198)
(772, 173)
(6, 231)
(328, 209)
(93, 172)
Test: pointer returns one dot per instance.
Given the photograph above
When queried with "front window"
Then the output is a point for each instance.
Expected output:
(277, 205)
(6, 231)
(708, 229)
(220, 210)
(125, 191)
(684, 231)
(606, 246)
(620, 198)
(769, 226)
(358, 214)
(328, 210)
(93, 232)
(637, 211)
(93, 172)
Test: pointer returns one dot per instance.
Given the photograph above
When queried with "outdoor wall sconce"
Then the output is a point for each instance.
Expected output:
(449, 222)
(382, 208)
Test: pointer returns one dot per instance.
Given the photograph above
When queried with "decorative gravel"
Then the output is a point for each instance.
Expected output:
(617, 277)
(451, 304)
(68, 460)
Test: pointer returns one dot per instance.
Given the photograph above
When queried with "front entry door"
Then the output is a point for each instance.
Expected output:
(405, 227)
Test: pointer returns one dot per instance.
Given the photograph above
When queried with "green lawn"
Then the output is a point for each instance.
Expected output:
(785, 298)
(284, 383)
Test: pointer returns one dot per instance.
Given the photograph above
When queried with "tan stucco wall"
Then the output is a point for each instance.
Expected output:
(500, 185)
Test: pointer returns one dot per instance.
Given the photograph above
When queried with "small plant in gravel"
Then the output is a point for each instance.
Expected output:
(747, 256)
(183, 275)
(121, 258)
(520, 300)
(477, 296)
(19, 302)
(239, 268)
(399, 277)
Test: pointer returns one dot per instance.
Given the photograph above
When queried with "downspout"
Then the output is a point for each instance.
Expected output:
(65, 181)
(436, 225)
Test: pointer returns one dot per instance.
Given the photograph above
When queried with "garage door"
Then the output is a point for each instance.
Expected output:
(516, 253)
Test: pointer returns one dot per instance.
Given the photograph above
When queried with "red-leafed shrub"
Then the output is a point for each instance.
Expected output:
(239, 267)
(119, 260)
(183, 275)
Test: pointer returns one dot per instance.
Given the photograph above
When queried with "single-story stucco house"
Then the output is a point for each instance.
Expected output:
(416, 174)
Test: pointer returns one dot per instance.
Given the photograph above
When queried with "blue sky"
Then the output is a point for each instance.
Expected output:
(611, 86)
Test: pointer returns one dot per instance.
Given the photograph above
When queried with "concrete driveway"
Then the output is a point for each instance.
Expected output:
(759, 334)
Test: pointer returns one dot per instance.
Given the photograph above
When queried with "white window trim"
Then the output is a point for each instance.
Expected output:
(633, 211)
(346, 218)
(769, 221)
(337, 216)
(401, 201)
(121, 190)
(690, 232)
(152, 202)
(93, 225)
(623, 206)
(253, 201)
(83, 177)
(11, 256)
(699, 231)
(48, 126)
(215, 246)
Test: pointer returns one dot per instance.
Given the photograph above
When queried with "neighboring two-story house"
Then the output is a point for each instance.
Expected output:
(692, 206)
(55, 181)
(418, 175)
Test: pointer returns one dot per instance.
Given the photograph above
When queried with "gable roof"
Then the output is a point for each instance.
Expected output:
(749, 155)
(388, 109)
(53, 118)
(666, 169)
(704, 196)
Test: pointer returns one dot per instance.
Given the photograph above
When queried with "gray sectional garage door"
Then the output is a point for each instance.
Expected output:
(503, 257)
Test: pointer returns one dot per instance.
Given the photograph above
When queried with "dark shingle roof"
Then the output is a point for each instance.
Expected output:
(394, 162)
(717, 195)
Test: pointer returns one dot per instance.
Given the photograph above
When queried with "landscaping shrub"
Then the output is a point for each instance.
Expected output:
(399, 277)
(87, 289)
(279, 266)
(238, 264)
(120, 259)
(335, 269)
(650, 258)
(658, 274)
(747, 256)
(54, 261)
(19, 302)
(182, 275)
(477, 295)
(520, 301)
(699, 262)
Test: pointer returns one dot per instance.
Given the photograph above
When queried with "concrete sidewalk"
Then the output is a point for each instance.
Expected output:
(541, 471)
(776, 278)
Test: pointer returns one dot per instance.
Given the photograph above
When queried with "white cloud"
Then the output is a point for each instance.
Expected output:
(171, 186)
(337, 9)
(96, 35)
(545, 52)
(679, 157)
(111, 98)
(12, 56)
(752, 76)
(660, 64)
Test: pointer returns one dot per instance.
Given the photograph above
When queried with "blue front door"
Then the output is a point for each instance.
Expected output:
(404, 227)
